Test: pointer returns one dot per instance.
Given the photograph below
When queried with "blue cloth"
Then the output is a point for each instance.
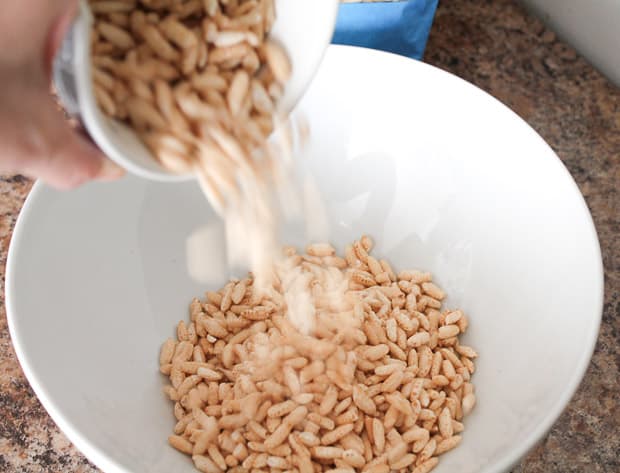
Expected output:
(398, 27)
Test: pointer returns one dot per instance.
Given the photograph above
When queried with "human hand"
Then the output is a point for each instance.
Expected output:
(35, 138)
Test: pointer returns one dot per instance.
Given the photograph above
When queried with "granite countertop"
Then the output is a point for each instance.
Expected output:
(499, 47)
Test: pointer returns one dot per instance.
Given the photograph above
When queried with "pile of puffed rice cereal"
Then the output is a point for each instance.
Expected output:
(378, 383)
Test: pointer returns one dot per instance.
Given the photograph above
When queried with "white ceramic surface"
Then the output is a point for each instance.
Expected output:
(442, 175)
(304, 28)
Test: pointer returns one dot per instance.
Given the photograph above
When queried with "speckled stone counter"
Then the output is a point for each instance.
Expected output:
(498, 46)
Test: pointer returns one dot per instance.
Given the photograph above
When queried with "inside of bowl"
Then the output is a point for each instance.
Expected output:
(442, 176)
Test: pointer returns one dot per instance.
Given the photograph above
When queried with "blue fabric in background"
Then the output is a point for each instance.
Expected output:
(398, 27)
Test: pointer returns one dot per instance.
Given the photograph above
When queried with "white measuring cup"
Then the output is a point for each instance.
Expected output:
(304, 27)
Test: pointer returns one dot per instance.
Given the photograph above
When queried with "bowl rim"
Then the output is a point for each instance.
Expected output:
(90, 451)
(502, 464)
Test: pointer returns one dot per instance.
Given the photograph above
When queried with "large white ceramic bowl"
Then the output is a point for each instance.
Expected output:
(442, 175)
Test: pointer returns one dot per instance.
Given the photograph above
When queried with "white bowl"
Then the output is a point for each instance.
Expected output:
(304, 28)
(441, 174)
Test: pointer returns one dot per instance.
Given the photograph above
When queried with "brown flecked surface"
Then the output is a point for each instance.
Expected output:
(499, 47)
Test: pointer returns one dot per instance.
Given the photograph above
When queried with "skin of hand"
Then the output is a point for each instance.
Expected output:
(35, 138)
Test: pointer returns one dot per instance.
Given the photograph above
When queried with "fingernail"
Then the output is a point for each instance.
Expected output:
(57, 33)
(109, 171)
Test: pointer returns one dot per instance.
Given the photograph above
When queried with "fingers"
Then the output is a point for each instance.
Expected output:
(27, 25)
(36, 140)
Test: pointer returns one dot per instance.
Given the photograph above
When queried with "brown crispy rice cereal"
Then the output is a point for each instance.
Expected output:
(378, 382)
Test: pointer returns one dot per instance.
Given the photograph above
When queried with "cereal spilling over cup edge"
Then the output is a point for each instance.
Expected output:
(198, 81)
